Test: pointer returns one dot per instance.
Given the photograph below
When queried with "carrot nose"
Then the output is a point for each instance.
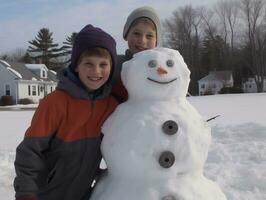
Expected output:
(161, 71)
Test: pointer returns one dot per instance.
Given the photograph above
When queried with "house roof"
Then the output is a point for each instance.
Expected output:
(52, 75)
(36, 66)
(217, 75)
(26, 73)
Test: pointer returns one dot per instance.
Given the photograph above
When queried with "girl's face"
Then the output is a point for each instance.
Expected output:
(94, 71)
(141, 37)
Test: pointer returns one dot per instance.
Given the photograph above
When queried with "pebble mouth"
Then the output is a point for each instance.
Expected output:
(162, 82)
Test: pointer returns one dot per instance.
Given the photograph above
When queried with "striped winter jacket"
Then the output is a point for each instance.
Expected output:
(60, 154)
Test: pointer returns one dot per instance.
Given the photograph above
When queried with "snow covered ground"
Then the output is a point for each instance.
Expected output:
(237, 157)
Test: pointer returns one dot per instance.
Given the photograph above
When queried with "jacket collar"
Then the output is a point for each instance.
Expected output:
(69, 82)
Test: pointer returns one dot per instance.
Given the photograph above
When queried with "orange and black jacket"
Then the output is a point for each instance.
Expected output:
(60, 154)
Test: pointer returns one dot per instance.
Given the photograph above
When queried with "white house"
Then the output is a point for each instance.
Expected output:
(215, 81)
(32, 81)
(249, 86)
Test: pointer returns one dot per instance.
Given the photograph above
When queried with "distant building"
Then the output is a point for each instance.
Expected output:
(215, 81)
(250, 86)
(31, 81)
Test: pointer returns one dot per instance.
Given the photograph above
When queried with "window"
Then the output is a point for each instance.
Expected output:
(51, 89)
(8, 92)
(203, 86)
(43, 74)
(29, 90)
(38, 90)
(34, 90)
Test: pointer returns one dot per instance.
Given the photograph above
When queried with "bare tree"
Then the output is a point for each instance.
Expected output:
(221, 10)
(16, 55)
(209, 24)
(228, 12)
(183, 33)
(215, 48)
(255, 19)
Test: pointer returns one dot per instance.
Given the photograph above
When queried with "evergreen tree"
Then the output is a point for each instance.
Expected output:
(67, 46)
(26, 58)
(4, 57)
(69, 43)
(43, 48)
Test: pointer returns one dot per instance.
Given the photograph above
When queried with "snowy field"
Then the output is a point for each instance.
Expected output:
(237, 157)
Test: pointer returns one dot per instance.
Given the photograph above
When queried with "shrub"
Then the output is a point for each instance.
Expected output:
(208, 92)
(25, 101)
(7, 100)
(231, 90)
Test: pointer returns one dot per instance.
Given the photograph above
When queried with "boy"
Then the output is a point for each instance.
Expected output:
(60, 154)
(142, 31)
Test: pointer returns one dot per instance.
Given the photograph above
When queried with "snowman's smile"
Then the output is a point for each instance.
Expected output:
(162, 82)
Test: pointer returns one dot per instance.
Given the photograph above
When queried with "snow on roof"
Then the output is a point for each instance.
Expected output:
(217, 75)
(26, 73)
(15, 72)
(36, 66)
(53, 72)
(4, 62)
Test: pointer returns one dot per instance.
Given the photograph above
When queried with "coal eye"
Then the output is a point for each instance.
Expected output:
(152, 63)
(170, 63)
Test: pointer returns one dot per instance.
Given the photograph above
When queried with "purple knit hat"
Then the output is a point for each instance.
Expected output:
(92, 37)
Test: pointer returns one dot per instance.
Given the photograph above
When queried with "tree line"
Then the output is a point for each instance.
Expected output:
(229, 36)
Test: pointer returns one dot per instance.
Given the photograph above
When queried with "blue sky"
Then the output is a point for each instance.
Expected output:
(20, 20)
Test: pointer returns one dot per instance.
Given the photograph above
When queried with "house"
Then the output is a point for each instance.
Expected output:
(30, 81)
(215, 81)
(250, 86)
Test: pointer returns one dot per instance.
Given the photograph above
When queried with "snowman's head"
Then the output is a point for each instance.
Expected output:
(158, 73)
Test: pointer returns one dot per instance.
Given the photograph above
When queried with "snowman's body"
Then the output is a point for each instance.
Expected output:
(155, 144)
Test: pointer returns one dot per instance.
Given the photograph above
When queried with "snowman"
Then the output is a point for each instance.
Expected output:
(155, 144)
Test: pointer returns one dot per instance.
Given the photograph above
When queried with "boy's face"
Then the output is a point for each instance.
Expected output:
(141, 37)
(94, 71)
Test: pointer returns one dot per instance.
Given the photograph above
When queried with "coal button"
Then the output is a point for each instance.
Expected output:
(166, 159)
(170, 127)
